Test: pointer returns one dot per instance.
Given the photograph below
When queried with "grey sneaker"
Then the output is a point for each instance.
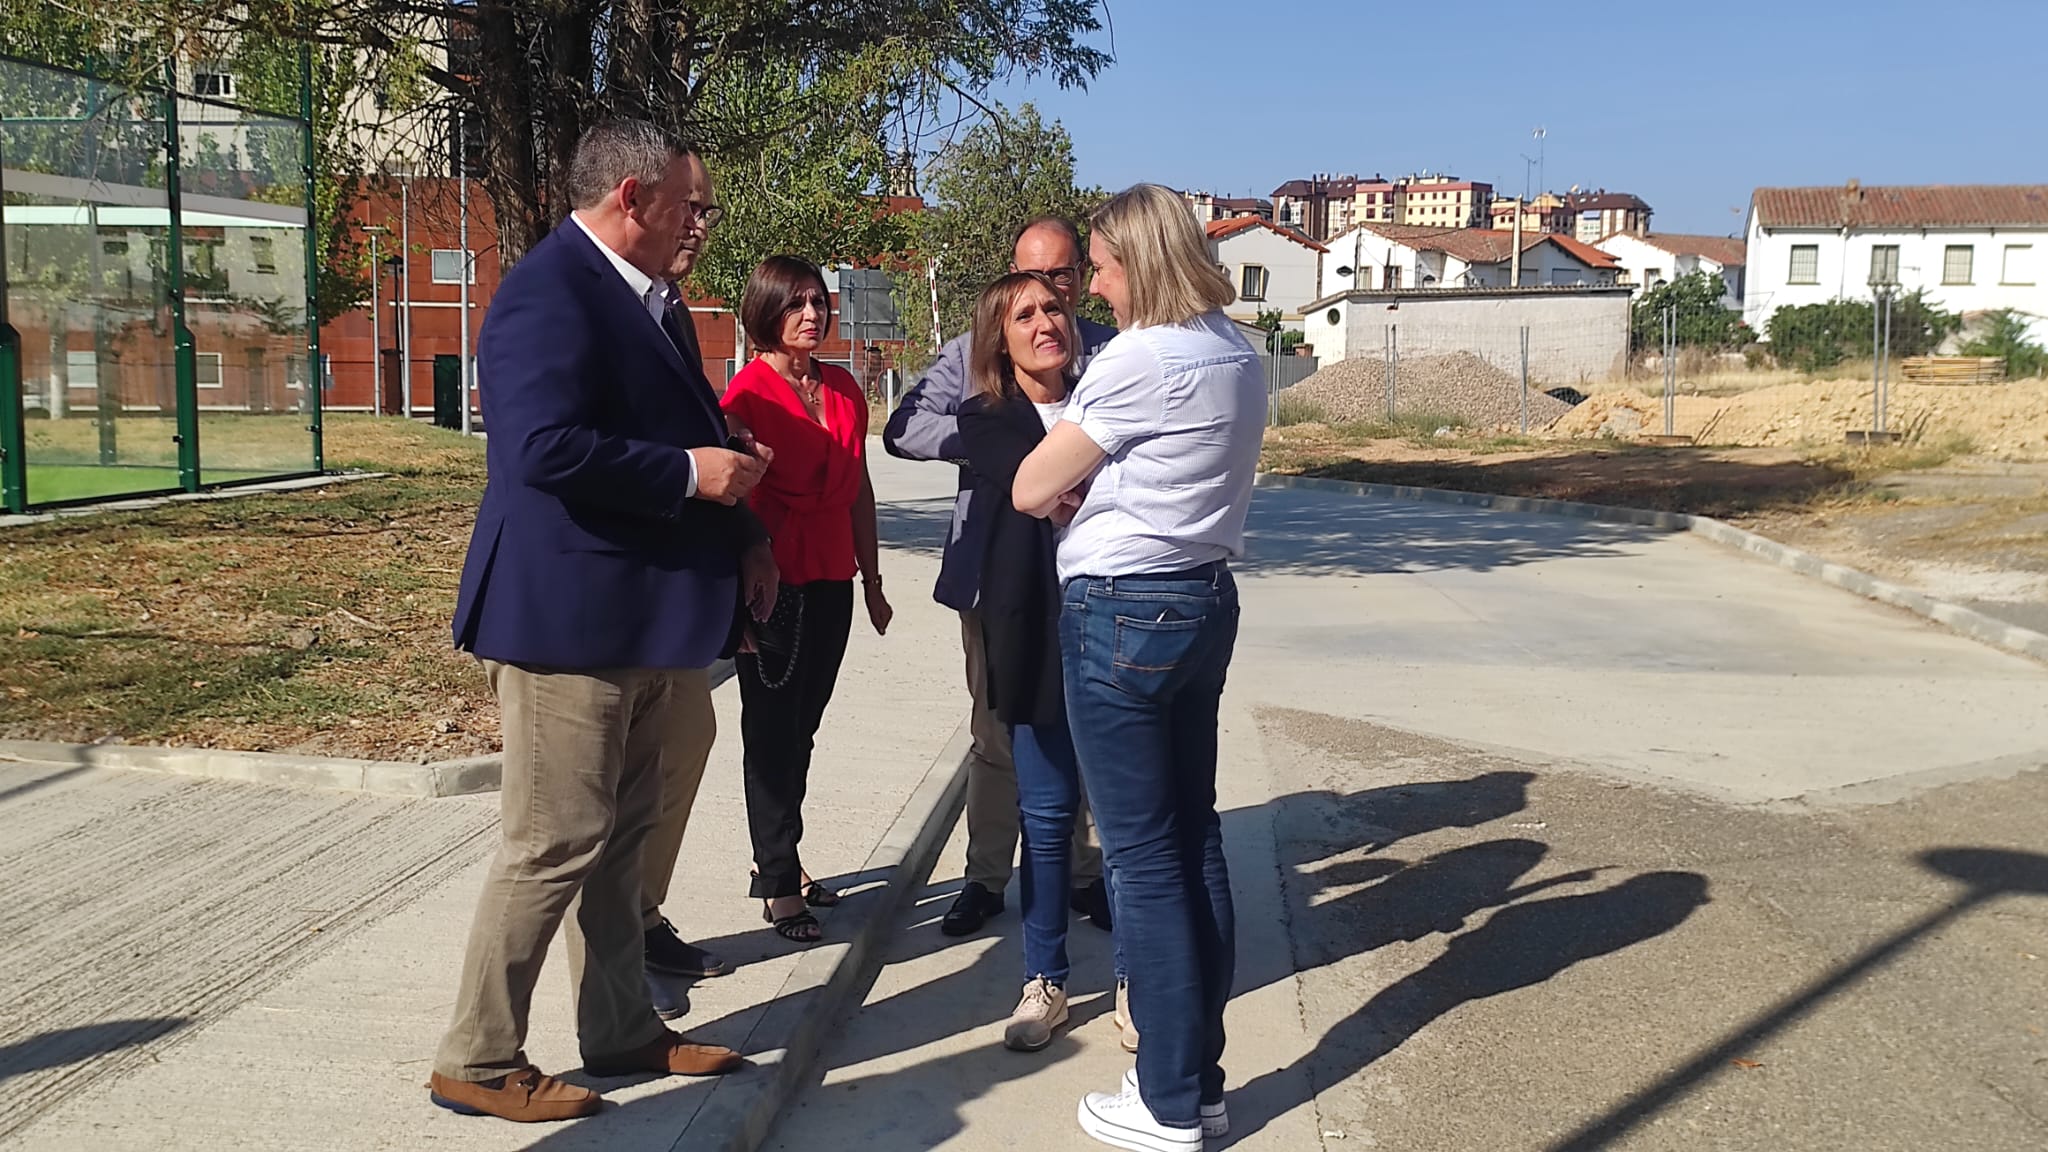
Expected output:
(1127, 1032)
(1042, 1008)
(1215, 1117)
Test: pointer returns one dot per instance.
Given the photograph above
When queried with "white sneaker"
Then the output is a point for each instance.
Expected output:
(1127, 1031)
(1215, 1117)
(1042, 1009)
(1123, 1121)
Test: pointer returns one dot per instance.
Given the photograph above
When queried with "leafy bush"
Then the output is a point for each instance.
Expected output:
(1816, 337)
(2005, 336)
(1702, 320)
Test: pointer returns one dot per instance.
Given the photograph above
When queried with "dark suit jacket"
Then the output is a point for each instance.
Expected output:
(1019, 593)
(586, 553)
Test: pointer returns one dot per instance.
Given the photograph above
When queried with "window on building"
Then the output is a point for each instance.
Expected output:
(206, 273)
(1884, 264)
(82, 369)
(1805, 264)
(216, 83)
(2019, 264)
(1958, 264)
(448, 266)
(1252, 282)
(263, 253)
(1652, 275)
(209, 369)
(1391, 278)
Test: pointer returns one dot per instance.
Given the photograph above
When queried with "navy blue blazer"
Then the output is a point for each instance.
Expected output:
(586, 553)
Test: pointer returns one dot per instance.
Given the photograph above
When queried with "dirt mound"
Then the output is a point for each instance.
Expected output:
(1458, 387)
(2007, 420)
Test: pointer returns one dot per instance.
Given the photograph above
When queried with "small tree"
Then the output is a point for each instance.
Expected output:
(1000, 174)
(2005, 336)
(1703, 321)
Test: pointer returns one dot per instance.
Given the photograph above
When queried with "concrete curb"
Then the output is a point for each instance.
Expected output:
(1966, 622)
(465, 777)
(828, 980)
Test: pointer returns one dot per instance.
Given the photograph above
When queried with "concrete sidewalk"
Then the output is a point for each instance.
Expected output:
(1537, 826)
(207, 964)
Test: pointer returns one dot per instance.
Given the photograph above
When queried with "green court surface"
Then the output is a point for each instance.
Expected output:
(54, 483)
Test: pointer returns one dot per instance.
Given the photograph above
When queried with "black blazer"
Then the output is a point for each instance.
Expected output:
(1020, 591)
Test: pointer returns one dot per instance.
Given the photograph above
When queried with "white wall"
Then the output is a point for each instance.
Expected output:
(1575, 337)
(1845, 270)
(1291, 269)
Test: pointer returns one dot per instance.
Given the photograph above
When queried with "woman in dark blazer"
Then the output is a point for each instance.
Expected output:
(1024, 340)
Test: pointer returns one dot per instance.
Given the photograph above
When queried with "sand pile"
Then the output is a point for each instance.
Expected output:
(1458, 388)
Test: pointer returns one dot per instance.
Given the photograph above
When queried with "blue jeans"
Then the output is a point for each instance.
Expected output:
(1048, 804)
(1144, 659)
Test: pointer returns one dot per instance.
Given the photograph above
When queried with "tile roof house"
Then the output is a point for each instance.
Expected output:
(1273, 268)
(1396, 256)
(1657, 257)
(1968, 247)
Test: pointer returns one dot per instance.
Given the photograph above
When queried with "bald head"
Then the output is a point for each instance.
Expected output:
(1052, 246)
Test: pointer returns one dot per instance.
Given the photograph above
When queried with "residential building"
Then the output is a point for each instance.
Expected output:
(1441, 201)
(1600, 214)
(1379, 201)
(1968, 247)
(1318, 207)
(1274, 269)
(1658, 257)
(1208, 206)
(1545, 212)
(1397, 257)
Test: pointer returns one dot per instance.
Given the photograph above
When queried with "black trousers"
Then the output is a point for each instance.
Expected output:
(779, 726)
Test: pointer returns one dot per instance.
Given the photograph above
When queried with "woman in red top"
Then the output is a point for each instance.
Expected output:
(818, 504)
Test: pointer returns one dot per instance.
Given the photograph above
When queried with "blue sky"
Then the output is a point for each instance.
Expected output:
(1689, 104)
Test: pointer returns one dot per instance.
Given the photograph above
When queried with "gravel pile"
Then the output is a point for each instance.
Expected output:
(1458, 386)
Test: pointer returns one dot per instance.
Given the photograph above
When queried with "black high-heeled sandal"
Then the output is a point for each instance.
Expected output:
(817, 895)
(802, 928)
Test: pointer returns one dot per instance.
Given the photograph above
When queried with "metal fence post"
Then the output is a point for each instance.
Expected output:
(1525, 379)
(1393, 348)
(316, 378)
(1670, 369)
(13, 457)
(183, 354)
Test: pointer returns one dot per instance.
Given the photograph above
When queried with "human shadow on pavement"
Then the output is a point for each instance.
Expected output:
(1988, 874)
(66, 1046)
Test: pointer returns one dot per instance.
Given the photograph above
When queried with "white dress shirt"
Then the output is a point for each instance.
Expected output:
(653, 296)
(1180, 411)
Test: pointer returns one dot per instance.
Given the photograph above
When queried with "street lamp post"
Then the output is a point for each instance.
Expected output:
(376, 324)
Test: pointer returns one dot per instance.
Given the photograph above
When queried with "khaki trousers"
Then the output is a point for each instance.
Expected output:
(582, 791)
(692, 727)
(992, 786)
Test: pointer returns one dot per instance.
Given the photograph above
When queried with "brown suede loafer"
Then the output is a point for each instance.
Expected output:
(670, 1054)
(525, 1096)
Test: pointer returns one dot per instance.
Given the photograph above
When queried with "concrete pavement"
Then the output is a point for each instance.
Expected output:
(208, 964)
(1537, 826)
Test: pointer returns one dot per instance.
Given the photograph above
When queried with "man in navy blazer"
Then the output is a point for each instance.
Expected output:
(607, 553)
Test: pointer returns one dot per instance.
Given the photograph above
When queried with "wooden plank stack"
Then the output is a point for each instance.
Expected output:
(1952, 369)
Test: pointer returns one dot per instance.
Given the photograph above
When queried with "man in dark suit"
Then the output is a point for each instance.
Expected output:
(606, 553)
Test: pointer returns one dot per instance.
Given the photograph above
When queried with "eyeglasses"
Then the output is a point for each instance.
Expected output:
(707, 214)
(812, 300)
(1065, 277)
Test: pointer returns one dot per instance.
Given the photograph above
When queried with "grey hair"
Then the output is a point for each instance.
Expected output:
(614, 151)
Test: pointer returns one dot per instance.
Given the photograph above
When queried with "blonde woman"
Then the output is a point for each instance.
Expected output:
(1157, 445)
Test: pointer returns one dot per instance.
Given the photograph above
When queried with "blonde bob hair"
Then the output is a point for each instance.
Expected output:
(1168, 275)
(989, 370)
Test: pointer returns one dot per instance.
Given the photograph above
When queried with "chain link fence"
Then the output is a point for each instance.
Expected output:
(155, 292)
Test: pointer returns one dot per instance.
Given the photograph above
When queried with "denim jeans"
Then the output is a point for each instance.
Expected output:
(1048, 807)
(1144, 659)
